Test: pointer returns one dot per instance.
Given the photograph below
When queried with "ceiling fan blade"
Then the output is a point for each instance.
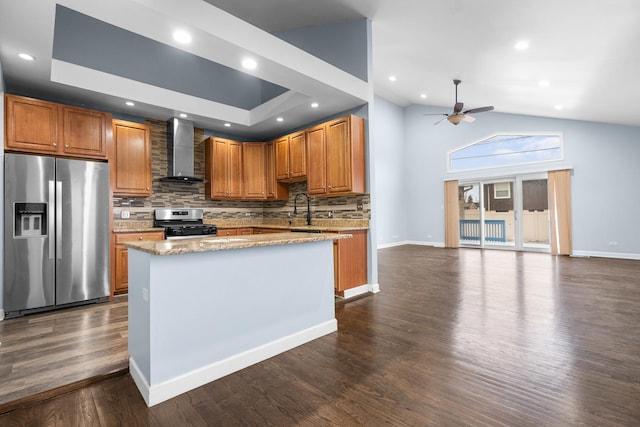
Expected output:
(435, 114)
(458, 107)
(442, 119)
(468, 118)
(478, 110)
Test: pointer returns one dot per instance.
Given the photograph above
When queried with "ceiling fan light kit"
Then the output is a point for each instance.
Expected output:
(458, 115)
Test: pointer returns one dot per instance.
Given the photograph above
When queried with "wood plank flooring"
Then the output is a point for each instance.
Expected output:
(46, 351)
(455, 338)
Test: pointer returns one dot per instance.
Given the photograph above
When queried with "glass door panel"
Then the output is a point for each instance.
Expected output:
(499, 214)
(535, 214)
(469, 204)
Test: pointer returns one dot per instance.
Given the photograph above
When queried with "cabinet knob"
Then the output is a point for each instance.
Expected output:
(147, 188)
(55, 145)
(66, 145)
(140, 238)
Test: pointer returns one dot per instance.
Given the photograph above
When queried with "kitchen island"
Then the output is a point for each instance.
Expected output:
(200, 309)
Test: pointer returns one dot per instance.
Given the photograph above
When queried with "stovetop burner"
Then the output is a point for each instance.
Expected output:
(183, 223)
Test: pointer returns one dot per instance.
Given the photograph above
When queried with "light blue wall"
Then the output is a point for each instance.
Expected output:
(605, 197)
(389, 152)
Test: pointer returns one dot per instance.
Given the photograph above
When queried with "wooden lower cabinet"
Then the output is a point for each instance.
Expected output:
(350, 261)
(120, 279)
(243, 231)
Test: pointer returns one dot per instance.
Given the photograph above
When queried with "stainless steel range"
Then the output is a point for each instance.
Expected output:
(183, 223)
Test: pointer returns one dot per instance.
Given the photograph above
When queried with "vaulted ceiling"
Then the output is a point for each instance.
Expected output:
(581, 61)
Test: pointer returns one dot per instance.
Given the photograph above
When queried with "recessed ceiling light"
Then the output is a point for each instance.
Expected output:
(182, 36)
(227, 125)
(130, 104)
(558, 107)
(522, 45)
(315, 105)
(544, 83)
(280, 119)
(392, 78)
(183, 115)
(26, 56)
(249, 63)
(423, 95)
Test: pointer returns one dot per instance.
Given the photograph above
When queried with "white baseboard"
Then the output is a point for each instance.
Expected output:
(363, 289)
(618, 255)
(391, 245)
(168, 389)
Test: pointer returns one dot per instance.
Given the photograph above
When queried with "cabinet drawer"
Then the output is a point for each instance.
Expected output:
(138, 237)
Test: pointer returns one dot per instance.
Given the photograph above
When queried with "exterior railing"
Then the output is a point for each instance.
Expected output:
(494, 230)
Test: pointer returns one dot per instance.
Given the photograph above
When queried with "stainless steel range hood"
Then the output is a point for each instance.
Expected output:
(180, 153)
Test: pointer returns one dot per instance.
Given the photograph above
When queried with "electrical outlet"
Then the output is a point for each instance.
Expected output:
(330, 214)
(125, 214)
(145, 294)
(247, 214)
(359, 207)
(289, 214)
(613, 243)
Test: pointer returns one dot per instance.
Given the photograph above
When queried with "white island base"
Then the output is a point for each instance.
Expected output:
(196, 317)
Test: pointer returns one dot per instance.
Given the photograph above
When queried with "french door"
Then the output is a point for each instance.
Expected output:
(508, 213)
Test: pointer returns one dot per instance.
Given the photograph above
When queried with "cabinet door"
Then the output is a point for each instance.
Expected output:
(32, 125)
(350, 259)
(234, 169)
(297, 155)
(254, 171)
(217, 167)
(131, 168)
(282, 157)
(338, 156)
(275, 190)
(317, 164)
(122, 269)
(84, 132)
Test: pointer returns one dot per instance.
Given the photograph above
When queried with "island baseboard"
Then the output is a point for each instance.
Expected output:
(201, 376)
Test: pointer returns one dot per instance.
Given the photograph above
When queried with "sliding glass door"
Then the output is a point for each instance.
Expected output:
(508, 213)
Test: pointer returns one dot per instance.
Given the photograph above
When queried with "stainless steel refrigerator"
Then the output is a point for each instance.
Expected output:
(56, 232)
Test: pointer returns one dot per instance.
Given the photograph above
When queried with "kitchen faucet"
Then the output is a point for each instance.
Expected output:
(295, 206)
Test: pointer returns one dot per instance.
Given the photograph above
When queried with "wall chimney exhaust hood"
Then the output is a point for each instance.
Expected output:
(180, 155)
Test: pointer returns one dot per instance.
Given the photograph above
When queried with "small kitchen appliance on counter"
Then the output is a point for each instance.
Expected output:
(183, 223)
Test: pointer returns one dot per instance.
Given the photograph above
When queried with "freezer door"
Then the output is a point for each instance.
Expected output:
(29, 276)
(82, 256)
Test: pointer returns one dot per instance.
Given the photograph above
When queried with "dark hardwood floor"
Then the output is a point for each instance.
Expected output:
(455, 338)
(47, 353)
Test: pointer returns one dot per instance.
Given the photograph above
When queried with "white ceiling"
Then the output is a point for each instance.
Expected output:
(588, 51)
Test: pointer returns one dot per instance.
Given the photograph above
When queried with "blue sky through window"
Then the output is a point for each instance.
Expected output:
(507, 150)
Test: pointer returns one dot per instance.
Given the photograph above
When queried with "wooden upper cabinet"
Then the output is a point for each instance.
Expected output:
(223, 168)
(131, 162)
(340, 169)
(282, 157)
(276, 190)
(291, 157)
(84, 132)
(297, 155)
(254, 171)
(317, 155)
(31, 125)
(36, 126)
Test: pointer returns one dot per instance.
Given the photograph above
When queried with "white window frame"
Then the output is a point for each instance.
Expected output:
(505, 186)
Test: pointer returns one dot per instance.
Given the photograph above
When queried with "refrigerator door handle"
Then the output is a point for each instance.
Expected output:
(59, 219)
(52, 220)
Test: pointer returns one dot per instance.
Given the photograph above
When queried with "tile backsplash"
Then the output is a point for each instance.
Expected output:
(168, 194)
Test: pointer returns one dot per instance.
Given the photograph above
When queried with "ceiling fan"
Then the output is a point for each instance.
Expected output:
(458, 115)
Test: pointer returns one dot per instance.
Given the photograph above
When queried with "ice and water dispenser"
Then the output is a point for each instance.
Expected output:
(30, 220)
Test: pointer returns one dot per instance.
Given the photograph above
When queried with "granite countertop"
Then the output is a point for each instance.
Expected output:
(328, 225)
(209, 244)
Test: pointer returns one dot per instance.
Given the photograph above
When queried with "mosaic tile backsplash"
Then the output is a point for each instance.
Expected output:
(167, 194)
